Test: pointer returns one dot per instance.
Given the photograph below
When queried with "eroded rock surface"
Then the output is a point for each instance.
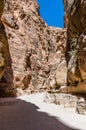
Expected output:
(36, 49)
(76, 47)
(6, 84)
(78, 103)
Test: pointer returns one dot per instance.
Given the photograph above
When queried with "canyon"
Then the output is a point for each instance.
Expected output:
(35, 57)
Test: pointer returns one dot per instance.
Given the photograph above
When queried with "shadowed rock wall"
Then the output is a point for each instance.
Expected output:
(76, 47)
(6, 79)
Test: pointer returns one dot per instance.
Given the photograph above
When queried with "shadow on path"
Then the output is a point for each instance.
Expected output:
(16, 114)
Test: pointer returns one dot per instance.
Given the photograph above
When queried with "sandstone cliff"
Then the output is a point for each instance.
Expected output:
(76, 47)
(36, 49)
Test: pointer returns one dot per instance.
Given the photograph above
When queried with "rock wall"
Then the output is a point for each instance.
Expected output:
(37, 51)
(6, 78)
(65, 14)
(76, 47)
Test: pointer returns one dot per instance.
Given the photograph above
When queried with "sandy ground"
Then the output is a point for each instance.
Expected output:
(29, 112)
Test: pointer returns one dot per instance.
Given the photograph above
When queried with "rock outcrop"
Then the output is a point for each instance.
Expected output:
(77, 103)
(36, 49)
(76, 47)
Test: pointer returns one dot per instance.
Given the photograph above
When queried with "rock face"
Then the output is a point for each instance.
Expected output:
(65, 14)
(1, 7)
(36, 49)
(6, 84)
(81, 106)
(76, 47)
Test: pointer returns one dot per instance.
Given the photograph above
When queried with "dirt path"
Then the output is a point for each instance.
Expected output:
(23, 114)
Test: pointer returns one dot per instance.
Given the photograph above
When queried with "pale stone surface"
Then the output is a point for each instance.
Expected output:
(81, 107)
(67, 101)
(61, 74)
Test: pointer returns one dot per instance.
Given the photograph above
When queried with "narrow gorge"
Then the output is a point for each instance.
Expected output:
(35, 57)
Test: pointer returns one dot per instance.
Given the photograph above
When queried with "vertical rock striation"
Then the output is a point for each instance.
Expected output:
(65, 14)
(76, 47)
(36, 49)
(6, 84)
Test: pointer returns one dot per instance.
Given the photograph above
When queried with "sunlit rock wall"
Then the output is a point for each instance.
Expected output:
(37, 51)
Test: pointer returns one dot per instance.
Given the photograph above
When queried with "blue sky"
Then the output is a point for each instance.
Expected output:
(52, 11)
